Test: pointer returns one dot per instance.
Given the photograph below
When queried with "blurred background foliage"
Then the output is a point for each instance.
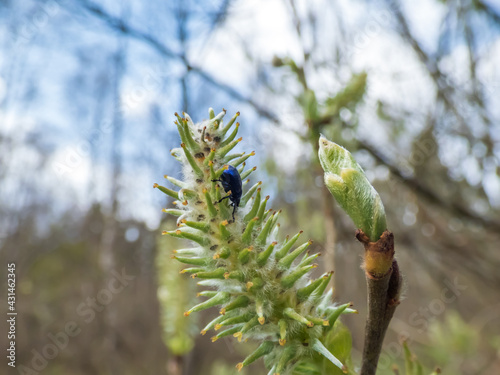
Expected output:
(87, 96)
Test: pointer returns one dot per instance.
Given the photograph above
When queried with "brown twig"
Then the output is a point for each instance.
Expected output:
(384, 284)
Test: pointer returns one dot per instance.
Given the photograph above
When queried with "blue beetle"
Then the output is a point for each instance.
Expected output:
(231, 182)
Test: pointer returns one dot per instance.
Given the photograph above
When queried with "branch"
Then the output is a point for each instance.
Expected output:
(426, 193)
(384, 285)
(119, 25)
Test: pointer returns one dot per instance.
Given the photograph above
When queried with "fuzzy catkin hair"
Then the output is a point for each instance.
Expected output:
(260, 283)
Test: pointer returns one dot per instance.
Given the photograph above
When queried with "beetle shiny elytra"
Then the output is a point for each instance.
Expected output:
(231, 182)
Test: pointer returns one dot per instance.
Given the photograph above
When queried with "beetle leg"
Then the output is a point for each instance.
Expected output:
(234, 210)
(227, 196)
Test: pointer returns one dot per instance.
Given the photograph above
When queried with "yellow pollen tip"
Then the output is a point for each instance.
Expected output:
(193, 276)
(187, 313)
(204, 190)
(178, 231)
(314, 265)
(183, 145)
(214, 339)
(225, 222)
(262, 320)
(216, 256)
(203, 332)
(310, 324)
(226, 275)
(239, 139)
(237, 113)
(222, 311)
(282, 342)
(326, 323)
(239, 366)
(165, 176)
(164, 232)
(238, 335)
(185, 203)
(310, 242)
(182, 271)
(217, 327)
(155, 185)
(249, 285)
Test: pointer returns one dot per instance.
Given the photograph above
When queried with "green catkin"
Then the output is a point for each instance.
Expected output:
(305, 292)
(212, 211)
(255, 207)
(261, 239)
(230, 157)
(249, 194)
(208, 293)
(191, 161)
(193, 261)
(173, 211)
(264, 256)
(229, 124)
(204, 227)
(242, 159)
(175, 181)
(287, 261)
(231, 136)
(192, 270)
(210, 157)
(235, 320)
(287, 246)
(262, 209)
(170, 192)
(240, 168)
(226, 332)
(257, 280)
(189, 138)
(238, 302)
(254, 322)
(265, 348)
(247, 173)
(217, 320)
(308, 259)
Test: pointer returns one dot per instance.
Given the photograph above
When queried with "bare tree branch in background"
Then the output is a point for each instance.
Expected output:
(428, 194)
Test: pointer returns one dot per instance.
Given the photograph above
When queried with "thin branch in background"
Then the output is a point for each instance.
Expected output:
(422, 190)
